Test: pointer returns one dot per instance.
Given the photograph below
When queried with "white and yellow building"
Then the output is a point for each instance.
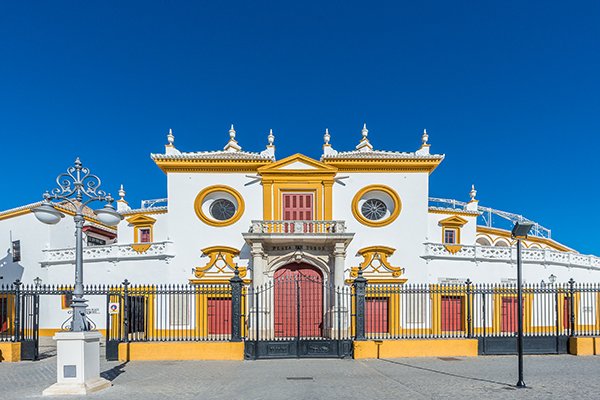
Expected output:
(364, 208)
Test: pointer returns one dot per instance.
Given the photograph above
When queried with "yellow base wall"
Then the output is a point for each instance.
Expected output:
(173, 351)
(52, 331)
(584, 346)
(415, 348)
(10, 352)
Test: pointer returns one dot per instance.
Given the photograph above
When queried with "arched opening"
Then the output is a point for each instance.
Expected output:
(482, 241)
(502, 243)
(298, 301)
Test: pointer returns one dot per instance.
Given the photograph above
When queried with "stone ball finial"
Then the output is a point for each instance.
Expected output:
(425, 137)
(232, 132)
(122, 192)
(170, 137)
(365, 131)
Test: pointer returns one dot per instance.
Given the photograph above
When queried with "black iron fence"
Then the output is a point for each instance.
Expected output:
(480, 310)
(304, 310)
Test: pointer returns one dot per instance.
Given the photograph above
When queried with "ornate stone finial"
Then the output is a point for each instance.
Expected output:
(425, 138)
(365, 131)
(473, 193)
(364, 144)
(170, 137)
(271, 137)
(232, 144)
(327, 137)
(122, 193)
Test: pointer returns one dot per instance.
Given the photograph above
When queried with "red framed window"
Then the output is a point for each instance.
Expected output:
(145, 236)
(450, 236)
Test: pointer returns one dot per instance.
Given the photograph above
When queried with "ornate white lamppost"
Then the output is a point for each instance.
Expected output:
(78, 350)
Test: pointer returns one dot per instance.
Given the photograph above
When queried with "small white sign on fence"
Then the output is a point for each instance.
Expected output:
(113, 308)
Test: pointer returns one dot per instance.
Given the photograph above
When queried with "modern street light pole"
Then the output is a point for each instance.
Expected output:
(519, 232)
(77, 187)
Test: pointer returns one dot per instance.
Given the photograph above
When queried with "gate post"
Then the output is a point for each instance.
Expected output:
(360, 284)
(125, 311)
(572, 306)
(17, 336)
(469, 316)
(236, 306)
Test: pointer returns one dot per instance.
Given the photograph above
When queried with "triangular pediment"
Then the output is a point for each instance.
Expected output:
(298, 163)
(140, 220)
(453, 221)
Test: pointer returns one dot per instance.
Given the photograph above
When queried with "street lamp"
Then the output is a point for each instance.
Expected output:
(37, 281)
(552, 278)
(78, 187)
(520, 232)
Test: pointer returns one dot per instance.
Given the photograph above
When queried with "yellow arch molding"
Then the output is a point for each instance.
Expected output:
(219, 263)
(376, 267)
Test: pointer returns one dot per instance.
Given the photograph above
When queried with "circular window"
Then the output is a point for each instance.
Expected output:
(376, 205)
(219, 205)
(373, 209)
(222, 209)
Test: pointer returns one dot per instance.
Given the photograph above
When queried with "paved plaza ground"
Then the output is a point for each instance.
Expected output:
(548, 377)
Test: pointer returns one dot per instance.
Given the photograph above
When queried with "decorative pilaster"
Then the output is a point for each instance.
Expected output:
(258, 264)
(339, 254)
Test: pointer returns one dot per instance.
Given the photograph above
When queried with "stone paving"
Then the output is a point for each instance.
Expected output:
(548, 377)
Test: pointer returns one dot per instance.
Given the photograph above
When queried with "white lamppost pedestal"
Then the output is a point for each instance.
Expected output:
(78, 350)
(78, 364)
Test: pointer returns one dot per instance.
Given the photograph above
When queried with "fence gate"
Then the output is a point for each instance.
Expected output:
(29, 325)
(298, 315)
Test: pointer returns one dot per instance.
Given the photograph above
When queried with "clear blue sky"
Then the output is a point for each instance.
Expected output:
(508, 90)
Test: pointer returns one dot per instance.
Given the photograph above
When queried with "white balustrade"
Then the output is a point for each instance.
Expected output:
(509, 254)
(302, 227)
(112, 252)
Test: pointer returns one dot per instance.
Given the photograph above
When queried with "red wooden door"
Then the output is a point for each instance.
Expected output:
(219, 316)
(376, 315)
(451, 313)
(509, 317)
(297, 206)
(567, 313)
(298, 301)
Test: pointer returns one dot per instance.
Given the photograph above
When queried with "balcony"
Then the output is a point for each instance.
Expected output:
(438, 251)
(298, 231)
(110, 253)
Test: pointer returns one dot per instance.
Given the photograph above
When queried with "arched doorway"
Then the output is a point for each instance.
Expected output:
(298, 301)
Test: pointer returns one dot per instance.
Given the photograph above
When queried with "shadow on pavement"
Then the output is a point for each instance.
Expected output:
(506, 385)
(114, 372)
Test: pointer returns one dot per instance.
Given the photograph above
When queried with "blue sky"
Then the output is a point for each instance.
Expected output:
(507, 90)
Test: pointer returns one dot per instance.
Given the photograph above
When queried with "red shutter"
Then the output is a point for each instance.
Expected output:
(219, 316)
(297, 206)
(376, 315)
(451, 313)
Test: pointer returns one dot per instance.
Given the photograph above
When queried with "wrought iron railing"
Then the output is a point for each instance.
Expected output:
(298, 227)
(483, 310)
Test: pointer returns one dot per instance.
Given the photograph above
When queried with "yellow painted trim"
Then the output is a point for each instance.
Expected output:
(176, 351)
(584, 346)
(144, 212)
(49, 332)
(219, 188)
(506, 234)
(453, 248)
(141, 248)
(452, 211)
(225, 254)
(215, 165)
(10, 351)
(384, 165)
(277, 180)
(457, 236)
(415, 348)
(376, 224)
(141, 222)
(380, 254)
(454, 223)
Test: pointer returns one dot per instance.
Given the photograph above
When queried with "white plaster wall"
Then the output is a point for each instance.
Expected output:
(190, 234)
(406, 234)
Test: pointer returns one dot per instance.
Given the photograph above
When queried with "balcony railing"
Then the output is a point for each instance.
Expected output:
(298, 227)
(435, 251)
(112, 252)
